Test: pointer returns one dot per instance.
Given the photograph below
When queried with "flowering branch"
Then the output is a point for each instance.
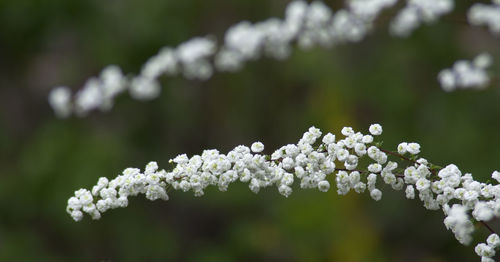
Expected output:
(305, 25)
(312, 161)
(466, 74)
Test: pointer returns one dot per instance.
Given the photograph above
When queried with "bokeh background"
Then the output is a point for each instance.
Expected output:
(43, 160)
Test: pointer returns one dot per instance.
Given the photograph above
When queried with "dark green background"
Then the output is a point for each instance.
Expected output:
(383, 79)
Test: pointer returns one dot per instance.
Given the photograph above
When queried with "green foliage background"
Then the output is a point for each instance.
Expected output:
(383, 79)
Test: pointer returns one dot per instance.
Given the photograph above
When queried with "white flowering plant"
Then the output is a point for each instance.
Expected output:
(314, 162)
(355, 162)
(305, 25)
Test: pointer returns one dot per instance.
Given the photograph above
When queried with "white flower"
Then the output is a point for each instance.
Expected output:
(342, 154)
(328, 139)
(60, 100)
(254, 186)
(299, 171)
(195, 49)
(484, 250)
(165, 62)
(291, 150)
(470, 195)
(90, 97)
(483, 60)
(447, 80)
(458, 221)
(77, 215)
(380, 157)
(410, 192)
(257, 147)
(482, 212)
(493, 240)
(496, 175)
(244, 38)
(151, 167)
(85, 197)
(422, 184)
(398, 184)
(347, 131)
(360, 187)
(376, 194)
(74, 204)
(375, 168)
(324, 186)
(144, 88)
(373, 151)
(375, 129)
(354, 177)
(360, 149)
(122, 202)
(413, 148)
(285, 190)
(402, 148)
(288, 163)
(371, 180)
(367, 139)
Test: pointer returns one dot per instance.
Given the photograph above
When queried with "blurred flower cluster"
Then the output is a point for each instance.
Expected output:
(305, 25)
(466, 74)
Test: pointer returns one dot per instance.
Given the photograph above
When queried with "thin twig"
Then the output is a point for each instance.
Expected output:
(488, 227)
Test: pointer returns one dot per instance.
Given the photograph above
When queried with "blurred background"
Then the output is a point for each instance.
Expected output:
(43, 160)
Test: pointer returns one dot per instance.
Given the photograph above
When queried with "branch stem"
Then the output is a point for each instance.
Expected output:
(488, 227)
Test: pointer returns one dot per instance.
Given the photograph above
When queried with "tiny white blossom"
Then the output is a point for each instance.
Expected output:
(257, 147)
(410, 192)
(375, 168)
(496, 175)
(323, 186)
(413, 148)
(375, 129)
(60, 100)
(376, 194)
(484, 250)
(402, 148)
(493, 240)
(422, 184)
(329, 139)
(347, 131)
(367, 139)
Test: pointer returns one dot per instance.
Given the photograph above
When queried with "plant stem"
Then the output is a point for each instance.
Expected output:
(488, 227)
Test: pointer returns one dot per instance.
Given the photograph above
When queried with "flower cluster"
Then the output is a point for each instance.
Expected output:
(310, 163)
(489, 15)
(305, 25)
(192, 57)
(466, 74)
(487, 250)
(417, 12)
(97, 93)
